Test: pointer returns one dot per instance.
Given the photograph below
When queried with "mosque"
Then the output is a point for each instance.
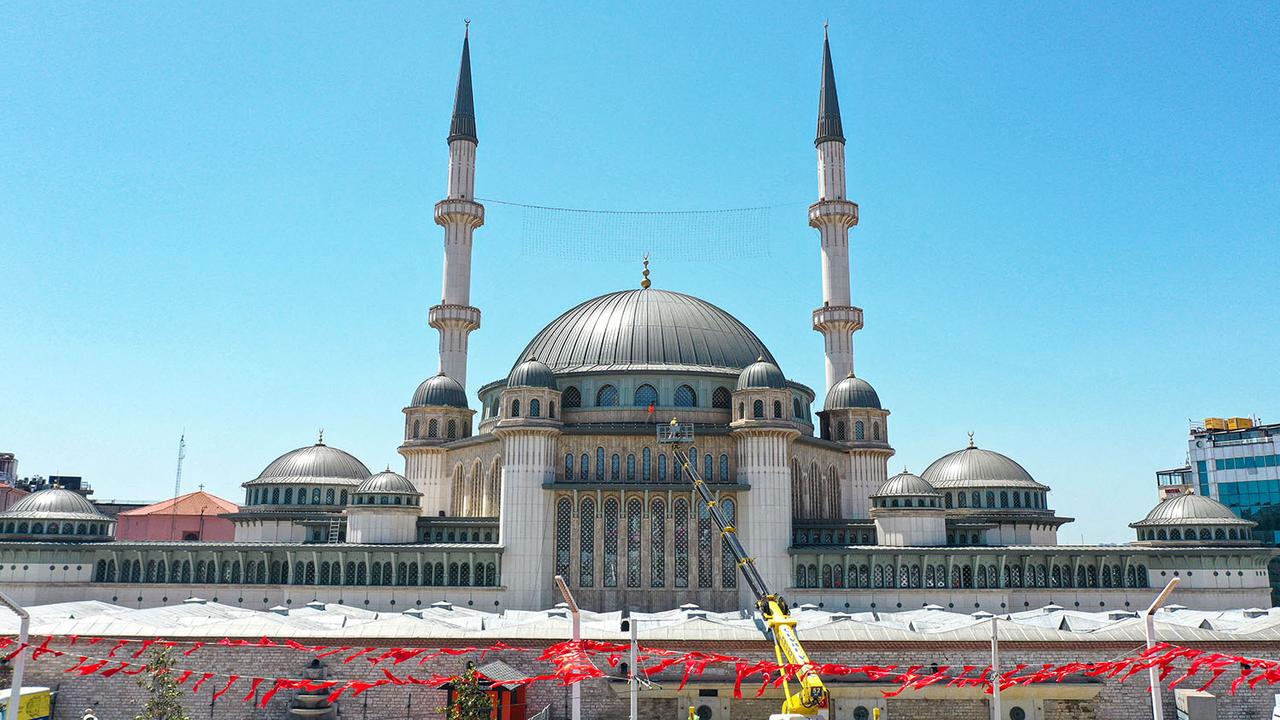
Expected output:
(555, 470)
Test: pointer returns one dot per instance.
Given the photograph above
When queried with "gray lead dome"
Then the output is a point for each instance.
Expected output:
(56, 504)
(387, 482)
(1191, 509)
(313, 464)
(976, 467)
(761, 374)
(532, 373)
(440, 390)
(646, 330)
(851, 392)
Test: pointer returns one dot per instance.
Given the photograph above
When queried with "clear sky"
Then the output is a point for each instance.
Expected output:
(217, 217)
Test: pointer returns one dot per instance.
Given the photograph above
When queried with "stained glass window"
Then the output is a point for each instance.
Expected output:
(859, 431)
(564, 520)
(680, 527)
(631, 468)
(657, 543)
(729, 566)
(796, 409)
(721, 398)
(535, 408)
(645, 396)
(615, 468)
(724, 468)
(584, 468)
(599, 464)
(607, 396)
(705, 576)
(568, 467)
(611, 542)
(587, 543)
(708, 466)
(433, 428)
(777, 409)
(662, 468)
(646, 465)
(686, 397)
(634, 538)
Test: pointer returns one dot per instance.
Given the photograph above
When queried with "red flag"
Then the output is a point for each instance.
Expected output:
(651, 408)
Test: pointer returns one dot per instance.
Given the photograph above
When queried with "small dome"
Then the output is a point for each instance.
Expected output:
(905, 483)
(1191, 510)
(55, 503)
(851, 392)
(440, 389)
(532, 373)
(761, 374)
(388, 482)
(975, 467)
(317, 463)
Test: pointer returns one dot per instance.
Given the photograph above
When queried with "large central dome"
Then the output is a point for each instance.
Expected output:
(646, 330)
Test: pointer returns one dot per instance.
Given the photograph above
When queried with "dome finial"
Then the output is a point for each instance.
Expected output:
(320, 441)
(971, 439)
(645, 282)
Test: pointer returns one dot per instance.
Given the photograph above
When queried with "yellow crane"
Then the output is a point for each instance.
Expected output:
(810, 699)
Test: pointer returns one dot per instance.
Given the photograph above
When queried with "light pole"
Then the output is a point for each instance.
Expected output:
(995, 669)
(20, 661)
(575, 690)
(1157, 706)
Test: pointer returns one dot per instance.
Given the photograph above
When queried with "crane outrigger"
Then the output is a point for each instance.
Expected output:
(810, 700)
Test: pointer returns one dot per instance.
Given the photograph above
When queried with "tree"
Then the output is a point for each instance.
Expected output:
(468, 701)
(163, 692)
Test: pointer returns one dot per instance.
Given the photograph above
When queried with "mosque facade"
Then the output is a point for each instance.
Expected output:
(556, 469)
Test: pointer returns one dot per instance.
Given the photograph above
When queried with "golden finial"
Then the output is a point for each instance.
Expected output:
(645, 282)
(971, 439)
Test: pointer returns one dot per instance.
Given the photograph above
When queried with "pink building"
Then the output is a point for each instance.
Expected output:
(10, 495)
(191, 517)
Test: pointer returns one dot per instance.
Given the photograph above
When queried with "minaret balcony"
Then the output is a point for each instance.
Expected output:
(456, 317)
(832, 212)
(837, 317)
(457, 211)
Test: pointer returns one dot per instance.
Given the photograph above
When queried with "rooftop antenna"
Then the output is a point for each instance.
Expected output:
(177, 484)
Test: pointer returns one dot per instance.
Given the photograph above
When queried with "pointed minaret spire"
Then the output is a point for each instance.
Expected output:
(829, 127)
(463, 126)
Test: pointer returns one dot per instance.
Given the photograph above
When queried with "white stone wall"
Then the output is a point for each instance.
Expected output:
(281, 531)
(765, 527)
(910, 528)
(382, 525)
(529, 460)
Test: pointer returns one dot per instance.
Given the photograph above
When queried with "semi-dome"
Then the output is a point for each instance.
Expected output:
(906, 484)
(851, 392)
(976, 467)
(646, 330)
(387, 482)
(761, 374)
(440, 389)
(532, 373)
(317, 463)
(1191, 510)
(55, 504)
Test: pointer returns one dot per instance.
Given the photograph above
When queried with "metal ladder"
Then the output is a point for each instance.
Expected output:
(335, 529)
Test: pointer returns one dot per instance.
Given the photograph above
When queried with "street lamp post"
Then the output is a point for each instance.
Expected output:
(20, 660)
(1157, 705)
(575, 690)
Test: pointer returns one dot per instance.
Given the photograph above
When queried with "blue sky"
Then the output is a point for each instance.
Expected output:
(218, 217)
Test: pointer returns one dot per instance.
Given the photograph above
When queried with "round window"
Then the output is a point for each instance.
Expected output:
(704, 712)
(1017, 713)
(861, 713)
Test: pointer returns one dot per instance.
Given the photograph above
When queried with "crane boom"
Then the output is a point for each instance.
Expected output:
(811, 699)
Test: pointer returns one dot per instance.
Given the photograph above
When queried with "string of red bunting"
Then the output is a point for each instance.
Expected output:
(573, 662)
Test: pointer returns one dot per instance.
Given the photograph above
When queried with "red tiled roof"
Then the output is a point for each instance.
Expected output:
(190, 504)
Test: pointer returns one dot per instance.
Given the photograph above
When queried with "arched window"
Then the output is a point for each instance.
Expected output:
(275, 496)
(599, 464)
(631, 467)
(685, 397)
(1175, 534)
(1017, 499)
(796, 410)
(415, 429)
(728, 565)
(662, 468)
(611, 510)
(721, 398)
(724, 467)
(433, 428)
(757, 409)
(564, 518)
(535, 408)
(991, 498)
(607, 396)
(859, 431)
(947, 499)
(584, 469)
(962, 499)
(571, 398)
(288, 496)
(568, 467)
(587, 543)
(453, 427)
(634, 539)
(705, 575)
(615, 468)
(707, 467)
(646, 465)
(777, 409)
(645, 396)
(680, 526)
(742, 411)
(1004, 498)
(840, 431)
(657, 542)
(875, 430)
(515, 412)
(551, 409)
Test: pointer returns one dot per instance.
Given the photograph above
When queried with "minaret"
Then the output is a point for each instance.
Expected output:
(833, 215)
(459, 214)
